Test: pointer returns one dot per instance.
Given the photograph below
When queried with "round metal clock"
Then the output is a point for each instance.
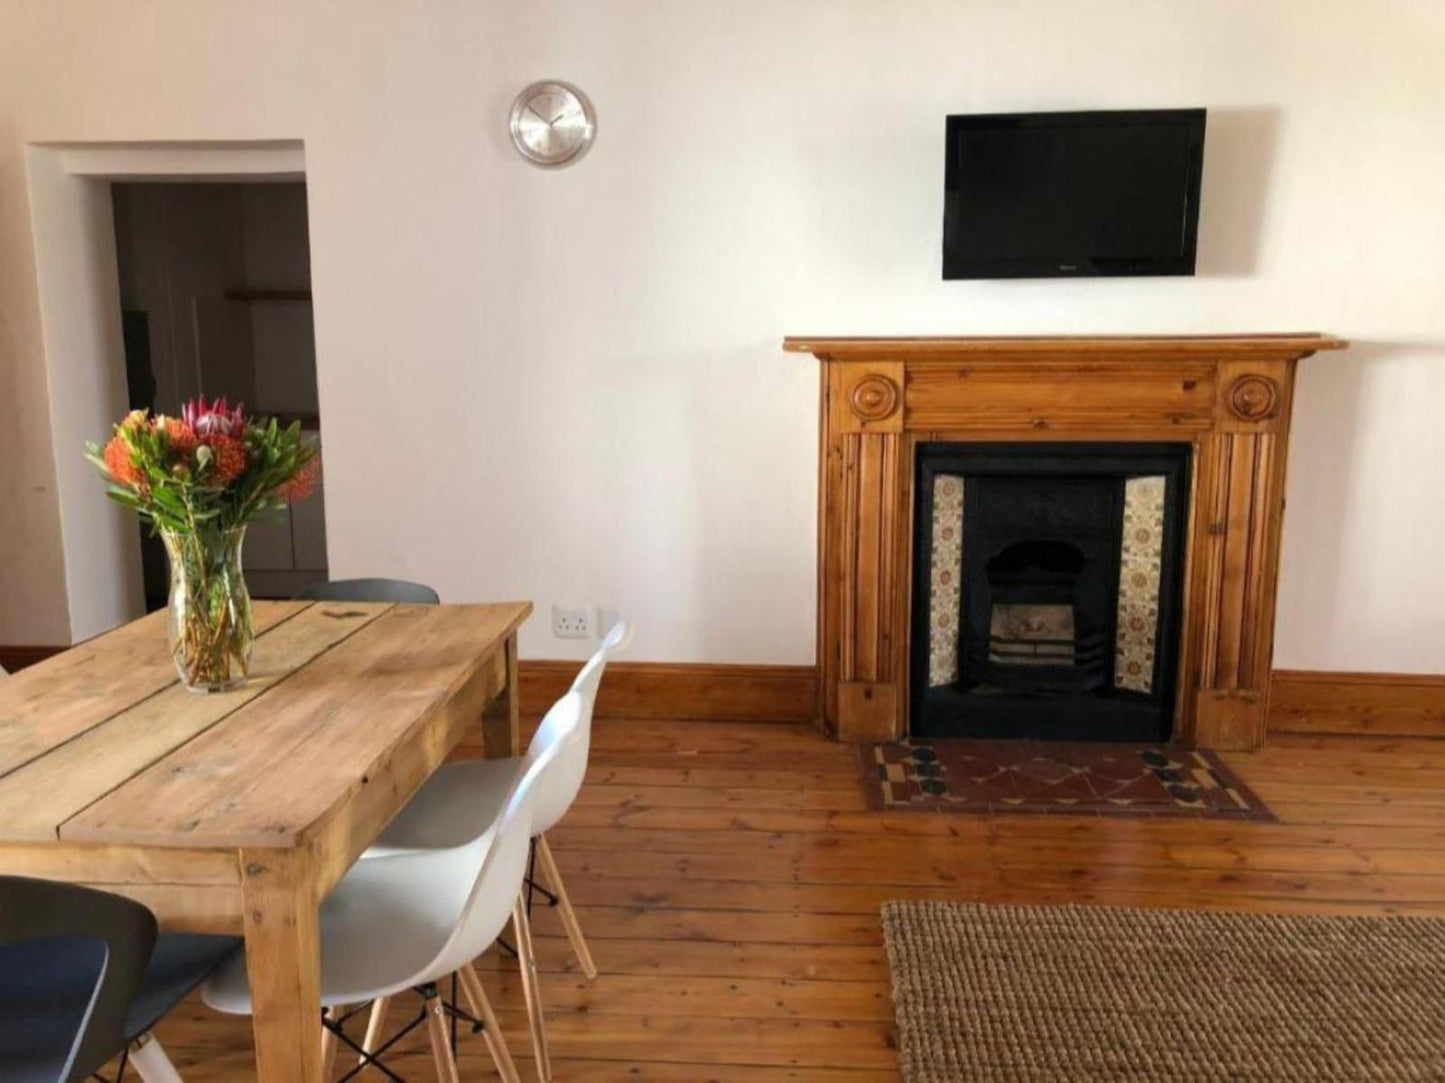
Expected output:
(552, 123)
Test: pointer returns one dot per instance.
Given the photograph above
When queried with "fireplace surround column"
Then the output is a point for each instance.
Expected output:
(1228, 397)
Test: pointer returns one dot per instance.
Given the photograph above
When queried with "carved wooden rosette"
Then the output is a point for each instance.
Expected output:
(1229, 398)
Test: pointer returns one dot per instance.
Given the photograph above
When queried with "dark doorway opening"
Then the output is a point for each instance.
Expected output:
(215, 287)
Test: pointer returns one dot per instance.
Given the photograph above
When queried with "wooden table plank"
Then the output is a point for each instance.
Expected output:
(40, 796)
(296, 755)
(49, 703)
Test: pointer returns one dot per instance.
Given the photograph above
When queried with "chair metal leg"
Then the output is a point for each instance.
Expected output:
(328, 1042)
(150, 1061)
(336, 1026)
(564, 908)
(481, 1007)
(375, 1026)
(441, 1045)
(530, 990)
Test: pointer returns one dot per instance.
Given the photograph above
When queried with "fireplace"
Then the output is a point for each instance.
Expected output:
(1045, 618)
(1046, 589)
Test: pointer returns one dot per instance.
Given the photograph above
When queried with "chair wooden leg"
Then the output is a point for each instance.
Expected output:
(564, 908)
(527, 963)
(375, 1025)
(328, 1043)
(441, 1042)
(150, 1061)
(481, 1007)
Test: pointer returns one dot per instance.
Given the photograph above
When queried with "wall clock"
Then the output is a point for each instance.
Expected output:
(552, 123)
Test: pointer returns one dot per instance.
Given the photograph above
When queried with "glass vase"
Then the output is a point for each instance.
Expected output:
(210, 609)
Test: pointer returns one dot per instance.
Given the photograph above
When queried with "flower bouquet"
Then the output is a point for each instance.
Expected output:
(199, 479)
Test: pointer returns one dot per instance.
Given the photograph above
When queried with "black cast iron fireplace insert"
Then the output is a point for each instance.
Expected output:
(1047, 581)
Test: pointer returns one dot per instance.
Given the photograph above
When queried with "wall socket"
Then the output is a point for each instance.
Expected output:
(571, 622)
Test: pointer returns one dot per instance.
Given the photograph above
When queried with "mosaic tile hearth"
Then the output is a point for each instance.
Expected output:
(1055, 778)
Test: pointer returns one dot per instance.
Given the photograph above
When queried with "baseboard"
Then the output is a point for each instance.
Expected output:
(1301, 701)
(681, 690)
(1379, 704)
(13, 659)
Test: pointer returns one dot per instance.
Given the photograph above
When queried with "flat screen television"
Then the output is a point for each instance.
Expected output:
(1048, 195)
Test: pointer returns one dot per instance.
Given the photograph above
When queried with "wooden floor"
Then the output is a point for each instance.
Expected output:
(729, 877)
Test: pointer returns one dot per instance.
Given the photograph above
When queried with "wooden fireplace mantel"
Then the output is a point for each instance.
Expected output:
(1229, 396)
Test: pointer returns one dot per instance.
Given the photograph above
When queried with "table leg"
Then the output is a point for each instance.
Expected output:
(283, 962)
(502, 719)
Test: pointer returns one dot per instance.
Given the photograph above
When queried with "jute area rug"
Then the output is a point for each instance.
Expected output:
(1102, 993)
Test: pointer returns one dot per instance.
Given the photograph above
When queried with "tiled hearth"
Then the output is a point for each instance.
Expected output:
(1058, 778)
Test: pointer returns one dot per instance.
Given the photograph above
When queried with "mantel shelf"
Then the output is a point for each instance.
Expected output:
(1293, 343)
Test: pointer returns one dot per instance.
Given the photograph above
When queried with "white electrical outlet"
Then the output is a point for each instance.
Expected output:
(571, 622)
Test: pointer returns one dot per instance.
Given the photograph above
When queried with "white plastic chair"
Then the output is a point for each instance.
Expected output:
(407, 921)
(458, 802)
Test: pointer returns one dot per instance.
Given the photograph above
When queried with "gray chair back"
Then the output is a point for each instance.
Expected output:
(370, 590)
(63, 1010)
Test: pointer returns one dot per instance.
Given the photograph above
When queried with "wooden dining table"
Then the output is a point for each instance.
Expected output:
(236, 812)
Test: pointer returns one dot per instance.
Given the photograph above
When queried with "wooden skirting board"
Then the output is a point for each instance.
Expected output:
(683, 690)
(1301, 701)
(1378, 704)
(1382, 704)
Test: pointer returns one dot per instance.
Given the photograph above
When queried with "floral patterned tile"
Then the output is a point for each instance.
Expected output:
(946, 571)
(1140, 561)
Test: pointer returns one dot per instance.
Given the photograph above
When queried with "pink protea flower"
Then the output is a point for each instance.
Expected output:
(216, 418)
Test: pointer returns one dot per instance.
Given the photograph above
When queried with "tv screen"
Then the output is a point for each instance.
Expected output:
(1045, 195)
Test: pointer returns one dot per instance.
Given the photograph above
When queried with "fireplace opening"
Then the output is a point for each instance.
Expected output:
(1047, 581)
(1035, 588)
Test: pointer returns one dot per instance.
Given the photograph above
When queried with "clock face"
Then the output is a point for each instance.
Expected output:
(552, 123)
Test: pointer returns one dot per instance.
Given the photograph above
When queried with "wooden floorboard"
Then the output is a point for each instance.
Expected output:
(729, 878)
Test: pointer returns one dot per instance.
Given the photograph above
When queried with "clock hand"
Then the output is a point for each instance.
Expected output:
(538, 115)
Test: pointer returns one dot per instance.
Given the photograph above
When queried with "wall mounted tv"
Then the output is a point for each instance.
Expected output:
(1048, 195)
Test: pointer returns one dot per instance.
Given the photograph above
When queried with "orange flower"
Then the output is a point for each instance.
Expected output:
(302, 484)
(117, 462)
(179, 435)
(228, 458)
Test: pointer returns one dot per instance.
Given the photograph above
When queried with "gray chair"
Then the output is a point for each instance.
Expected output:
(83, 976)
(370, 590)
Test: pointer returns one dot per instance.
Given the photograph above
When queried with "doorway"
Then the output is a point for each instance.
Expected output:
(215, 294)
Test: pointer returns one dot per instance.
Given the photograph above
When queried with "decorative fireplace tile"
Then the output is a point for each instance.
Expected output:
(1059, 778)
(1140, 557)
(946, 565)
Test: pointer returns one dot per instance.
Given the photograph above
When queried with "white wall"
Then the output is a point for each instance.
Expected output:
(567, 386)
(81, 327)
